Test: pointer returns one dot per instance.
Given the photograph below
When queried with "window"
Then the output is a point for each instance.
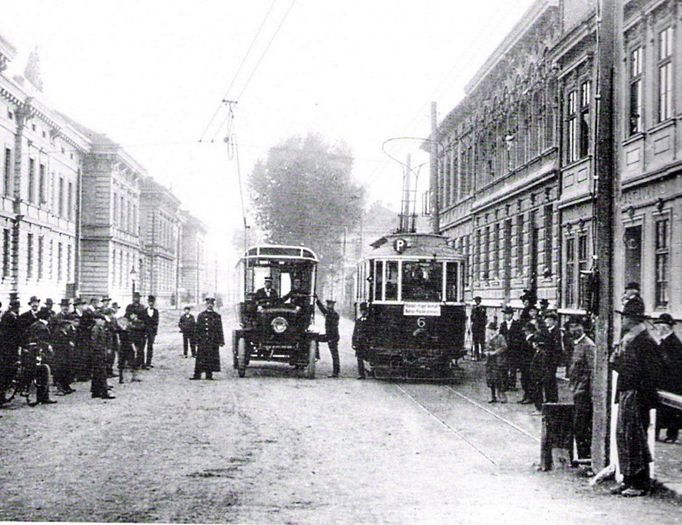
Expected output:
(571, 128)
(6, 251)
(60, 208)
(41, 247)
(31, 181)
(121, 222)
(662, 261)
(570, 272)
(114, 273)
(477, 254)
(42, 184)
(422, 281)
(452, 281)
(519, 244)
(50, 261)
(665, 74)
(633, 254)
(70, 201)
(392, 280)
(121, 271)
(7, 173)
(467, 254)
(29, 256)
(495, 256)
(549, 236)
(378, 289)
(60, 259)
(583, 263)
(585, 93)
(486, 254)
(68, 262)
(635, 74)
(115, 210)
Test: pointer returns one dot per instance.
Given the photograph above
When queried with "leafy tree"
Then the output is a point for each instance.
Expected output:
(304, 194)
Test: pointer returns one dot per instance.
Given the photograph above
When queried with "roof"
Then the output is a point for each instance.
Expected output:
(421, 245)
(279, 251)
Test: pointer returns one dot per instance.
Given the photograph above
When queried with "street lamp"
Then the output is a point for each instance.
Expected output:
(133, 274)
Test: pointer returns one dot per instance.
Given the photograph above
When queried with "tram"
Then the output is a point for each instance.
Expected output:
(412, 284)
(277, 328)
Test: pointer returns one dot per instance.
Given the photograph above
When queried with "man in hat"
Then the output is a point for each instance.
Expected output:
(29, 317)
(209, 339)
(83, 321)
(580, 383)
(151, 327)
(135, 313)
(267, 294)
(105, 301)
(100, 342)
(49, 305)
(187, 325)
(331, 330)
(361, 338)
(38, 344)
(10, 341)
(479, 321)
(115, 340)
(63, 335)
(555, 354)
(510, 328)
(670, 347)
(631, 294)
(638, 362)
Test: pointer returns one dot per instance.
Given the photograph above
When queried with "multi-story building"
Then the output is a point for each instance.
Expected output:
(160, 229)
(195, 282)
(42, 153)
(111, 251)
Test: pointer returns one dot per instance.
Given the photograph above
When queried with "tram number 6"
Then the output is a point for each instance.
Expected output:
(421, 322)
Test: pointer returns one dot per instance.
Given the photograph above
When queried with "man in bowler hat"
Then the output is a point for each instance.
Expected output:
(479, 321)
(151, 327)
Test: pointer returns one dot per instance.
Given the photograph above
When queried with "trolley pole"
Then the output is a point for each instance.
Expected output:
(435, 190)
(603, 210)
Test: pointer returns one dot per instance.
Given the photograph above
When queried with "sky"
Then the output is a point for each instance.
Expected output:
(151, 74)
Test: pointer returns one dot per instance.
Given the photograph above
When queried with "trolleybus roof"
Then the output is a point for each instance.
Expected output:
(422, 245)
(277, 251)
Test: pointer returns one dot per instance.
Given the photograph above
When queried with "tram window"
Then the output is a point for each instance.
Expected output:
(285, 284)
(452, 282)
(391, 280)
(379, 280)
(370, 281)
(422, 281)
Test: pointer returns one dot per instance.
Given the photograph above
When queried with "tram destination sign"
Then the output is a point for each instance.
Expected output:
(422, 309)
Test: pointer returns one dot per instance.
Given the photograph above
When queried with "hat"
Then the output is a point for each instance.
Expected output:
(632, 286)
(15, 303)
(78, 301)
(363, 305)
(107, 311)
(633, 309)
(94, 300)
(106, 298)
(492, 325)
(65, 302)
(268, 278)
(544, 302)
(665, 319)
(188, 307)
(210, 299)
(151, 298)
(33, 299)
(115, 305)
(477, 298)
(551, 315)
(330, 301)
(136, 294)
(507, 310)
(49, 302)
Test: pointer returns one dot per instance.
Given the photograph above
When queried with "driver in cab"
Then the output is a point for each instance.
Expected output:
(267, 294)
(297, 296)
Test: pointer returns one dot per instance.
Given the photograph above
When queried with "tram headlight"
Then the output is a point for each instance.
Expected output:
(279, 325)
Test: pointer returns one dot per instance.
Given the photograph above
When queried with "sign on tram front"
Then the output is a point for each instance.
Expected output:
(422, 309)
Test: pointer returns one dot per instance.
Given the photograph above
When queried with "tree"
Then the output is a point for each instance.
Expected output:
(304, 194)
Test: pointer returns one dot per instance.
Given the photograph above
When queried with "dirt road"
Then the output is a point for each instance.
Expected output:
(276, 448)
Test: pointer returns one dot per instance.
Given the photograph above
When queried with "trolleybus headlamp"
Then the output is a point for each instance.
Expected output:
(279, 325)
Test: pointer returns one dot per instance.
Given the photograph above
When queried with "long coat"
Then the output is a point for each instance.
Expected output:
(360, 339)
(671, 352)
(496, 365)
(209, 337)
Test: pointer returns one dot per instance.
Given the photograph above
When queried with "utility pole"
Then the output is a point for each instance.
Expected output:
(435, 190)
(603, 210)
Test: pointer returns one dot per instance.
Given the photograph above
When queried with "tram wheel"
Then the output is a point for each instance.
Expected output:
(241, 357)
(312, 356)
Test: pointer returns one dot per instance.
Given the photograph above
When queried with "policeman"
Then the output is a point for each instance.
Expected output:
(209, 337)
(361, 339)
(63, 335)
(331, 329)
(267, 294)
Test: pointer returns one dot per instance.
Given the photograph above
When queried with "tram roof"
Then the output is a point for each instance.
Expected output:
(280, 251)
(422, 245)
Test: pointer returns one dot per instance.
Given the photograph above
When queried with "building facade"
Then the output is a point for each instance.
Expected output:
(160, 231)
(195, 282)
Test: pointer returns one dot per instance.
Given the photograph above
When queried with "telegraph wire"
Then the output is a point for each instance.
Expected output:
(239, 69)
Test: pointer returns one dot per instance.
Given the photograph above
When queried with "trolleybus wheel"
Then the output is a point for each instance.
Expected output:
(241, 357)
(312, 356)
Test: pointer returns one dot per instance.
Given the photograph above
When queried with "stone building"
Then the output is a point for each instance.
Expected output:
(160, 222)
(42, 154)
(195, 281)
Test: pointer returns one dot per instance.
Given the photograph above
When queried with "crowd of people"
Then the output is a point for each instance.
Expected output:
(81, 342)
(530, 348)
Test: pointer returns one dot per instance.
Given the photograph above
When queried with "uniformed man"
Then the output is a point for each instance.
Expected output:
(331, 329)
(151, 327)
(38, 344)
(10, 341)
(297, 295)
(267, 294)
(361, 339)
(63, 335)
(479, 320)
(209, 338)
(83, 322)
(100, 342)
(135, 313)
(187, 325)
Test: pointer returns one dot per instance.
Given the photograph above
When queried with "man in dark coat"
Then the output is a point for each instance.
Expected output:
(38, 344)
(331, 330)
(84, 320)
(631, 295)
(361, 339)
(100, 342)
(63, 334)
(28, 318)
(151, 327)
(267, 294)
(638, 362)
(135, 313)
(209, 338)
(510, 328)
(555, 354)
(10, 341)
(187, 325)
(670, 347)
(479, 320)
(580, 382)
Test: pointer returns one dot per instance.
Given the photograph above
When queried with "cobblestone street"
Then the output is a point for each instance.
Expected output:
(276, 448)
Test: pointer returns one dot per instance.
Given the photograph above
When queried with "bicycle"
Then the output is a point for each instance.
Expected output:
(25, 381)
